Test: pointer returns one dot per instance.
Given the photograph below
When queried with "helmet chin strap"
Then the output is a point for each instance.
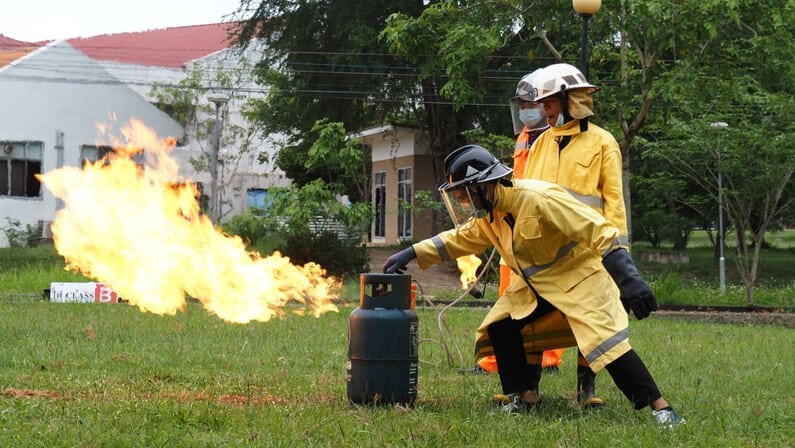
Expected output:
(564, 105)
(488, 206)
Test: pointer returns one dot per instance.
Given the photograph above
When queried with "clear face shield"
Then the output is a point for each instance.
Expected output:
(461, 206)
(528, 114)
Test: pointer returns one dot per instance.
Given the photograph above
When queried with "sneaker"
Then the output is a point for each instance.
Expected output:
(668, 417)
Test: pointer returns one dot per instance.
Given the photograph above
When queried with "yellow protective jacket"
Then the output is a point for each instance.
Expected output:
(589, 167)
(521, 151)
(557, 243)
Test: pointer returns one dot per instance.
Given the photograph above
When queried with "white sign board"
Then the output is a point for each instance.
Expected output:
(86, 292)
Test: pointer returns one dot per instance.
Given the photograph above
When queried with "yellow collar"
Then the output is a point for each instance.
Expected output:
(503, 197)
(570, 128)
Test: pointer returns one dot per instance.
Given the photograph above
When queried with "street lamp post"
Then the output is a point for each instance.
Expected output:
(718, 125)
(586, 9)
(219, 99)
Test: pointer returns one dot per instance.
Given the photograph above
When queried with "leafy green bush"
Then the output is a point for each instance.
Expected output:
(338, 256)
(18, 236)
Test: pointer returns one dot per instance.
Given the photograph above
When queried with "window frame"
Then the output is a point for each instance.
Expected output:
(379, 205)
(405, 183)
(20, 162)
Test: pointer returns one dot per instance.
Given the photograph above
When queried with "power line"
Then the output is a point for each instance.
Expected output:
(494, 83)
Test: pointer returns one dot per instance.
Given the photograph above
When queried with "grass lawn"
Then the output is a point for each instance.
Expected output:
(110, 375)
(95, 375)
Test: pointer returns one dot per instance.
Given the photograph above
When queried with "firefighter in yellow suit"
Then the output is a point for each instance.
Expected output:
(529, 122)
(583, 158)
(568, 272)
(578, 155)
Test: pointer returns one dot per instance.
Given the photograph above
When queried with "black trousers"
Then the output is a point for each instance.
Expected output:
(633, 379)
(628, 371)
(506, 339)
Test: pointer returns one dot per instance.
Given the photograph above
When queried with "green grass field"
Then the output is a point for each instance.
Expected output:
(93, 375)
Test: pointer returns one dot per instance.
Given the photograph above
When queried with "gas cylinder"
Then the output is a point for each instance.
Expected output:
(383, 339)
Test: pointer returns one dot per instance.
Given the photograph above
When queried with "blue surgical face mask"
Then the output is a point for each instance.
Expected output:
(529, 116)
(561, 120)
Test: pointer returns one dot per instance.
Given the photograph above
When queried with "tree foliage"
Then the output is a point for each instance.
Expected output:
(666, 70)
(331, 60)
(187, 103)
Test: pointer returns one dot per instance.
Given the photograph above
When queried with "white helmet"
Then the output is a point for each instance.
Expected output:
(536, 121)
(557, 78)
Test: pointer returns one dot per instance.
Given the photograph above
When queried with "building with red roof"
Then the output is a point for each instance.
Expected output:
(61, 91)
(170, 47)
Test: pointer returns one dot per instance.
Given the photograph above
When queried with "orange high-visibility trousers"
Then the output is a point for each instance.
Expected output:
(550, 358)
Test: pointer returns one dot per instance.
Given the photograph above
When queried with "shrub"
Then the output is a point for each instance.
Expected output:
(298, 223)
(20, 237)
(338, 256)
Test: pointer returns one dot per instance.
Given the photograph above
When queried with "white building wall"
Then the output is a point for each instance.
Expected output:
(237, 174)
(390, 142)
(58, 89)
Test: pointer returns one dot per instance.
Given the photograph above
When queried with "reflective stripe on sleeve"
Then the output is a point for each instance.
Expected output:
(593, 201)
(440, 247)
(620, 241)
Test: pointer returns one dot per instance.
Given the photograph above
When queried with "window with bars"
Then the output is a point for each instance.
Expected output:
(93, 153)
(379, 198)
(20, 162)
(404, 202)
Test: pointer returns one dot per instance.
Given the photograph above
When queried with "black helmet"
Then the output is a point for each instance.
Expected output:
(472, 164)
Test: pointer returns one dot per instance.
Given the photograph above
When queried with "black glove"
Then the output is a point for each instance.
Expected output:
(635, 293)
(396, 264)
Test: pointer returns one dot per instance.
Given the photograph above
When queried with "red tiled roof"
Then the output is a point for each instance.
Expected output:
(12, 49)
(169, 47)
(7, 43)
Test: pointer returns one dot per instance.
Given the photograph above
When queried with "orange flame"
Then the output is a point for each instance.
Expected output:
(468, 265)
(141, 233)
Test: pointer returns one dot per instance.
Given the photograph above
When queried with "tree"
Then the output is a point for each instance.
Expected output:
(755, 157)
(187, 103)
(738, 85)
(328, 59)
(664, 67)
(323, 61)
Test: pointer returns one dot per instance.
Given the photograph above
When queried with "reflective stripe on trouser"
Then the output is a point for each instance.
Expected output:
(548, 332)
(554, 330)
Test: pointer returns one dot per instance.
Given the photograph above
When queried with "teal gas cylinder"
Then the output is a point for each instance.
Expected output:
(383, 338)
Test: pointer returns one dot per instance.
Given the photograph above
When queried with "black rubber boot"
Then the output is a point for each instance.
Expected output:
(586, 389)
